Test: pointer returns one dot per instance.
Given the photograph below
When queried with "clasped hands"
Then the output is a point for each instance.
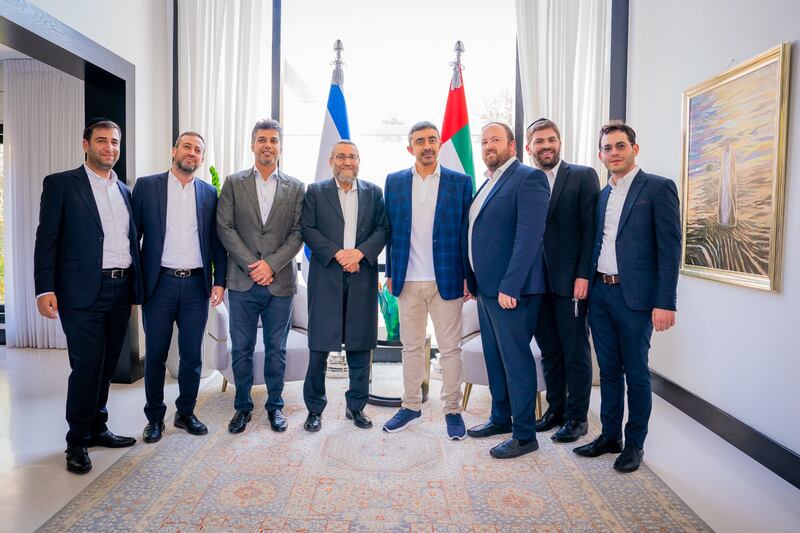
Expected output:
(261, 272)
(349, 259)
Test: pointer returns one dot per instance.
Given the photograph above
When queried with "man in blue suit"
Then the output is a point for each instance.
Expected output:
(86, 272)
(636, 259)
(176, 217)
(426, 206)
(504, 264)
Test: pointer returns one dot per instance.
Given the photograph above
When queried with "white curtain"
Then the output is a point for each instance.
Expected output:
(43, 115)
(224, 82)
(564, 52)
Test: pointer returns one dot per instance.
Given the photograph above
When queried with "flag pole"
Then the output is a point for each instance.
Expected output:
(459, 49)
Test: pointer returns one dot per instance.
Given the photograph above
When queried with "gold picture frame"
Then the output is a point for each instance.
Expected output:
(734, 172)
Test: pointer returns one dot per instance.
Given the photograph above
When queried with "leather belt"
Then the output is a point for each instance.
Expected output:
(609, 279)
(115, 273)
(182, 272)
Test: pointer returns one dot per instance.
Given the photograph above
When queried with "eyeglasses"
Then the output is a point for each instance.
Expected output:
(346, 157)
(620, 146)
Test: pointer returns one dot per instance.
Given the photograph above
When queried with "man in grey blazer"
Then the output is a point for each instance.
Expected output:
(258, 222)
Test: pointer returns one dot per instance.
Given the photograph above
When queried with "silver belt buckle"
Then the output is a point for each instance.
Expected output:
(183, 272)
(117, 273)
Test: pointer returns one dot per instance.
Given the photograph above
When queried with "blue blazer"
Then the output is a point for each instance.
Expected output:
(150, 213)
(452, 206)
(648, 242)
(507, 235)
(68, 254)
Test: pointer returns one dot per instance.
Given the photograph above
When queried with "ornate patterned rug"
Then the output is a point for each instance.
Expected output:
(348, 479)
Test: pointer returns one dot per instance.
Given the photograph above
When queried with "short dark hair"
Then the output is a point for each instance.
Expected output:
(505, 126)
(541, 124)
(616, 125)
(343, 141)
(101, 123)
(422, 125)
(190, 134)
(267, 124)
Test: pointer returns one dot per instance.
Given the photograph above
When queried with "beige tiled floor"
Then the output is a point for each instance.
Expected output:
(727, 489)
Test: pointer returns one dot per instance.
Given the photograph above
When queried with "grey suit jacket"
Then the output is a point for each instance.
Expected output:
(247, 240)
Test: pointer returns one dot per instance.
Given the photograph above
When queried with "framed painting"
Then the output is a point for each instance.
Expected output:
(733, 173)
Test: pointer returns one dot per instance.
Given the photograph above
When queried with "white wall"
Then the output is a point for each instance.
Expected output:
(736, 348)
(139, 31)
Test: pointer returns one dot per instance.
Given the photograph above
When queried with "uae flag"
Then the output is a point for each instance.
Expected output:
(456, 150)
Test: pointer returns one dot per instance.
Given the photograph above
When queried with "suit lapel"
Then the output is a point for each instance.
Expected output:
(602, 204)
(558, 186)
(85, 192)
(406, 190)
(331, 194)
(161, 185)
(281, 195)
(132, 235)
(633, 192)
(252, 193)
(199, 207)
(445, 184)
(363, 200)
(502, 181)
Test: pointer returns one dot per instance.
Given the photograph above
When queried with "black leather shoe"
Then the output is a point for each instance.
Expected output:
(549, 421)
(107, 439)
(191, 424)
(277, 421)
(239, 421)
(571, 431)
(152, 431)
(629, 460)
(78, 459)
(487, 429)
(599, 446)
(508, 449)
(313, 422)
(359, 418)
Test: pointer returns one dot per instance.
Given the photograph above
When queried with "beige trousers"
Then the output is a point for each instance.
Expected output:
(416, 301)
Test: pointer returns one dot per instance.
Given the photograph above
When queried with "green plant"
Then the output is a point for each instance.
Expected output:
(215, 178)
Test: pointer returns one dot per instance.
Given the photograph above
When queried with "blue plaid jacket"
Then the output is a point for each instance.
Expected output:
(452, 206)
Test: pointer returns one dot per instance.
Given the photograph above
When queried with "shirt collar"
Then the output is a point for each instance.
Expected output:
(435, 174)
(624, 183)
(174, 179)
(92, 174)
(499, 171)
(274, 175)
(353, 188)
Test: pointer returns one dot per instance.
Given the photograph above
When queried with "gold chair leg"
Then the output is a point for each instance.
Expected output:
(467, 391)
(539, 404)
(224, 384)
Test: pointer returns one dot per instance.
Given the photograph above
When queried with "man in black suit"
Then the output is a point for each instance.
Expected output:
(175, 214)
(86, 271)
(562, 332)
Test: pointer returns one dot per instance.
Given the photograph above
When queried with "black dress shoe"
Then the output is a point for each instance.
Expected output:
(487, 429)
(629, 460)
(78, 459)
(152, 431)
(359, 418)
(571, 431)
(107, 439)
(239, 421)
(599, 446)
(549, 421)
(191, 424)
(508, 449)
(313, 422)
(277, 421)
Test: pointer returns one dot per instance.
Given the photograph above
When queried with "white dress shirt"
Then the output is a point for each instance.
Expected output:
(480, 199)
(551, 175)
(266, 192)
(114, 217)
(424, 194)
(349, 203)
(181, 241)
(607, 262)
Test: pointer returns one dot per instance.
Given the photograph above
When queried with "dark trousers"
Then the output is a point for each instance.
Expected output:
(95, 336)
(621, 338)
(566, 356)
(358, 362)
(506, 337)
(182, 301)
(275, 312)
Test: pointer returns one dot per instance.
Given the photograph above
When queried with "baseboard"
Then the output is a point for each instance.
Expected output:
(776, 457)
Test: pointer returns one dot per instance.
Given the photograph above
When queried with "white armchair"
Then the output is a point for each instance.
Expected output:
(217, 343)
(475, 365)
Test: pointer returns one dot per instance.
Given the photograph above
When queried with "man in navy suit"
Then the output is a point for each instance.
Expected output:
(86, 271)
(176, 217)
(426, 205)
(504, 264)
(562, 332)
(636, 258)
